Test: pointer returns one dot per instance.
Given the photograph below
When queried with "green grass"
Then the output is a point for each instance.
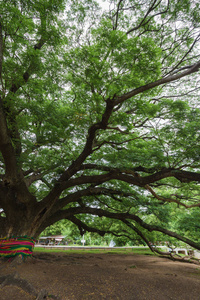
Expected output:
(122, 251)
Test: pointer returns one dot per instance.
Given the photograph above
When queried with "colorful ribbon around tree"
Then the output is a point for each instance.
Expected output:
(10, 247)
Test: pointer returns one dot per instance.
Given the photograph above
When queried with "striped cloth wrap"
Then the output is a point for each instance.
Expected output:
(23, 245)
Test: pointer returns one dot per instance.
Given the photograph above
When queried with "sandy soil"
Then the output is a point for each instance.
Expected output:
(105, 276)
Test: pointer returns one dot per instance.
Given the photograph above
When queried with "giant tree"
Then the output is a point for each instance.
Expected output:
(99, 116)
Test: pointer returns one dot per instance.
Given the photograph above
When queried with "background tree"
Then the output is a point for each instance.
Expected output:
(99, 117)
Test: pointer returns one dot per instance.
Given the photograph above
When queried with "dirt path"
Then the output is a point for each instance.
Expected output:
(105, 276)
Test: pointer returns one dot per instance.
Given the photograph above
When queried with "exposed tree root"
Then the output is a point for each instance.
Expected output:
(187, 258)
(15, 280)
(176, 257)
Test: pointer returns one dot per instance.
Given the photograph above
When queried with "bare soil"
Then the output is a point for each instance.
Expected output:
(103, 276)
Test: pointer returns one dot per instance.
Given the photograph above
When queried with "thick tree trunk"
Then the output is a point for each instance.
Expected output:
(17, 218)
(16, 225)
(22, 222)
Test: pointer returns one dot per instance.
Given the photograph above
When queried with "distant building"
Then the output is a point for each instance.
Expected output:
(51, 240)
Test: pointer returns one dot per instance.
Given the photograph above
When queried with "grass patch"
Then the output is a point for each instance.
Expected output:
(122, 251)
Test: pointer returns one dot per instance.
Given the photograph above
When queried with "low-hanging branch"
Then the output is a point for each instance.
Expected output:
(62, 214)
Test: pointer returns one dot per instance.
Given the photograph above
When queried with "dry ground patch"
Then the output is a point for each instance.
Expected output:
(104, 276)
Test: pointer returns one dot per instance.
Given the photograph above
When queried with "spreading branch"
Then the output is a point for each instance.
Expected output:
(118, 216)
(170, 78)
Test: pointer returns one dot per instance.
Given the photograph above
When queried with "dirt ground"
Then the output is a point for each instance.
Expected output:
(104, 276)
